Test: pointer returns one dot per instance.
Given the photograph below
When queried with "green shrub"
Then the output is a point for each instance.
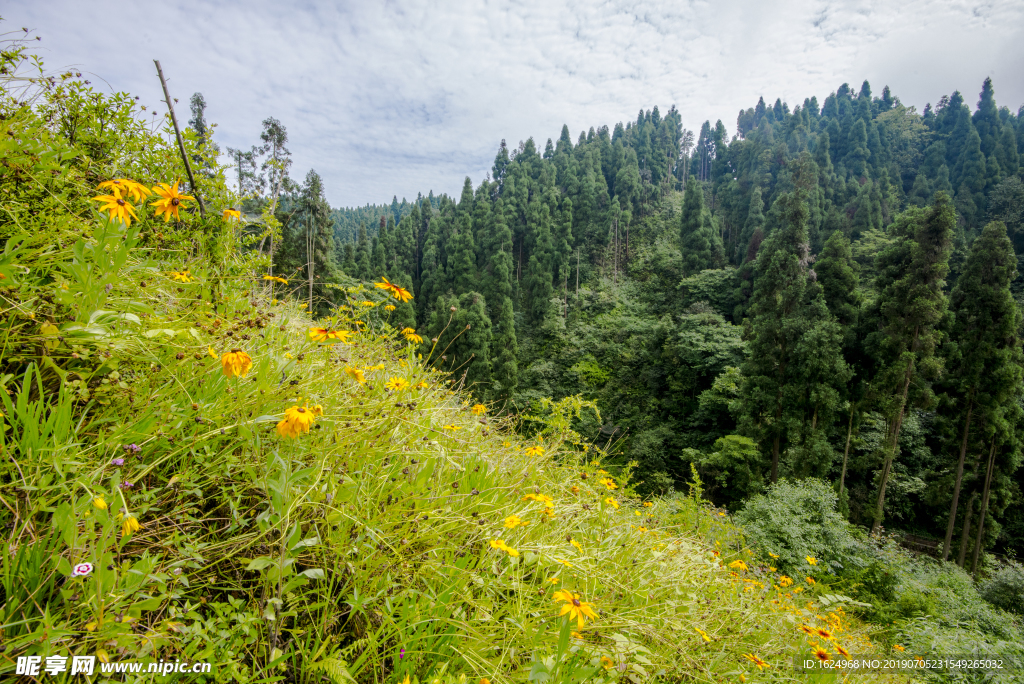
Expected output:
(1005, 588)
(798, 519)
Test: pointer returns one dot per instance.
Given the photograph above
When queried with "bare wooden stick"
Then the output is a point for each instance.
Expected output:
(177, 133)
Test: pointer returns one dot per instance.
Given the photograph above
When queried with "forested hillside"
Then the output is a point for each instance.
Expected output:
(831, 292)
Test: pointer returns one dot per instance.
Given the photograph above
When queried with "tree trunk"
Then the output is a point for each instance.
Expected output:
(984, 504)
(959, 477)
(846, 453)
(967, 529)
(894, 442)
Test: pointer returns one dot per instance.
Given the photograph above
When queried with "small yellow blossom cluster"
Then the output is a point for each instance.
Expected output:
(298, 420)
(410, 335)
(500, 545)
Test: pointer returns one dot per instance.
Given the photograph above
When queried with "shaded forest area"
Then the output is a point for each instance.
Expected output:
(833, 292)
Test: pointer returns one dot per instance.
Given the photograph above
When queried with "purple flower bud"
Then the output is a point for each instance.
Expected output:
(118, 461)
(402, 654)
(126, 485)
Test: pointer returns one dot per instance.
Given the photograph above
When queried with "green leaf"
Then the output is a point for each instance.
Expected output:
(259, 563)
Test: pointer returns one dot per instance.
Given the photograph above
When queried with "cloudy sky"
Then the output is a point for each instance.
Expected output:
(391, 98)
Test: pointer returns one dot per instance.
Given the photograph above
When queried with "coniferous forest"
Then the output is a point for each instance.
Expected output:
(643, 404)
(832, 292)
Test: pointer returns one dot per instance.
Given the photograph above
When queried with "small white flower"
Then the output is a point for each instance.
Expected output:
(81, 570)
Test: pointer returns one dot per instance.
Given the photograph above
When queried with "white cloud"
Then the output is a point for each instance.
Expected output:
(399, 97)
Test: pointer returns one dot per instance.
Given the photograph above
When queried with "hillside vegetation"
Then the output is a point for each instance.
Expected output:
(196, 469)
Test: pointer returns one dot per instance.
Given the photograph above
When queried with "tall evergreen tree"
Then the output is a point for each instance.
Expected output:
(910, 305)
(982, 355)
(700, 244)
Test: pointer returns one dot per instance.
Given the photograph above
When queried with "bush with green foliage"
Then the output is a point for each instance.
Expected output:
(797, 519)
(1005, 588)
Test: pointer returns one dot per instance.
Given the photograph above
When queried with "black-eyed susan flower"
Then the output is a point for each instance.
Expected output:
(576, 544)
(212, 353)
(99, 503)
(421, 385)
(821, 654)
(609, 483)
(451, 427)
(898, 647)
(539, 498)
(355, 374)
(703, 634)
(398, 292)
(231, 214)
(478, 409)
(130, 525)
(297, 420)
(823, 633)
(534, 451)
(612, 502)
(500, 545)
(812, 560)
(276, 279)
(116, 207)
(647, 504)
(738, 565)
(810, 580)
(809, 631)
(575, 608)
(389, 307)
(514, 521)
(841, 651)
(127, 188)
(170, 200)
(396, 384)
(236, 363)
(607, 663)
(785, 581)
(773, 555)
(410, 335)
(761, 664)
(553, 580)
(181, 276)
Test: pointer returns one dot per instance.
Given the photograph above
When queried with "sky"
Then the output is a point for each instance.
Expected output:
(393, 98)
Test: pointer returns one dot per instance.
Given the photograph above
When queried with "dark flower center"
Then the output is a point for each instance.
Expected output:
(175, 202)
(576, 602)
(120, 201)
(302, 410)
(235, 351)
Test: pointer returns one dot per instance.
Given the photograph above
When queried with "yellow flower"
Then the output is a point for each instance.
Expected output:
(612, 502)
(575, 608)
(297, 420)
(607, 663)
(540, 498)
(116, 207)
(553, 580)
(703, 634)
(576, 544)
(288, 355)
(389, 307)
(809, 631)
(898, 647)
(534, 451)
(99, 503)
(821, 654)
(452, 427)
(810, 580)
(574, 489)
(757, 661)
(609, 483)
(367, 303)
(275, 279)
(647, 504)
(396, 384)
(842, 651)
(478, 409)
(323, 334)
(399, 293)
(500, 545)
(565, 563)
(738, 565)
(170, 200)
(236, 363)
(317, 410)
(130, 525)
(812, 560)
(514, 521)
(785, 581)
(421, 385)
(411, 336)
(484, 680)
(231, 213)
(211, 352)
(823, 633)
(356, 374)
(127, 188)
(773, 555)
(182, 277)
